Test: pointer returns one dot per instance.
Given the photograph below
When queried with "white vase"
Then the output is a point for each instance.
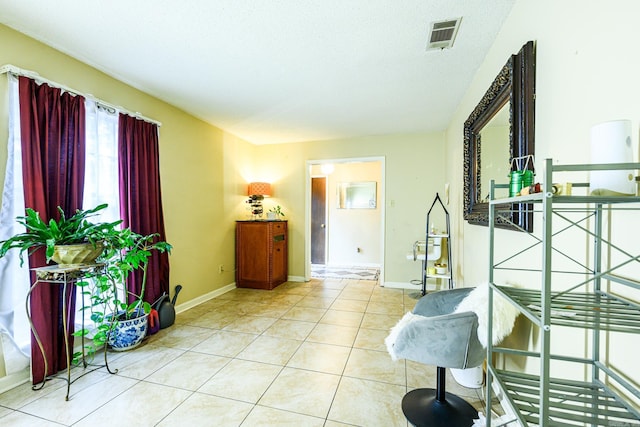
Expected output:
(611, 143)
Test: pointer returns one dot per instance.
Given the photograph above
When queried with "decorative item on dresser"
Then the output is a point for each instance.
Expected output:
(261, 254)
(257, 191)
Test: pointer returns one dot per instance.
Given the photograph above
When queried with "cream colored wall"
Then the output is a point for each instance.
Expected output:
(414, 171)
(200, 165)
(350, 229)
(587, 73)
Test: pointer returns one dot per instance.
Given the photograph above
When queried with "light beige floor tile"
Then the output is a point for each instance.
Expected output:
(333, 334)
(287, 299)
(385, 308)
(325, 293)
(82, 401)
(250, 324)
(244, 295)
(225, 343)
(272, 350)
(255, 378)
(261, 416)
(214, 320)
(361, 285)
(376, 366)
(4, 411)
(330, 423)
(143, 361)
(290, 391)
(23, 394)
(379, 321)
(336, 284)
(307, 314)
(293, 329)
(184, 317)
(420, 375)
(145, 404)
(266, 358)
(343, 318)
(410, 298)
(320, 357)
(234, 307)
(189, 371)
(18, 419)
(371, 339)
(250, 308)
(183, 336)
(204, 410)
(294, 288)
(388, 295)
(357, 294)
(272, 310)
(377, 404)
(349, 305)
(315, 302)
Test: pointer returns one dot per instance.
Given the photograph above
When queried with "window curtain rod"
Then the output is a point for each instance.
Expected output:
(35, 76)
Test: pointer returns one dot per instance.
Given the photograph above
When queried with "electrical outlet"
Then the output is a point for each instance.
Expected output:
(221, 269)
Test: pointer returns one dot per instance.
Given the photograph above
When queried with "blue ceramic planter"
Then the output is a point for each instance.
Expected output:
(128, 334)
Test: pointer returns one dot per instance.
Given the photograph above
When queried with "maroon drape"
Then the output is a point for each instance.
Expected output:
(140, 198)
(52, 126)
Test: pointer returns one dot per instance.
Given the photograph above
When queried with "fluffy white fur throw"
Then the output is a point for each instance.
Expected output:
(504, 313)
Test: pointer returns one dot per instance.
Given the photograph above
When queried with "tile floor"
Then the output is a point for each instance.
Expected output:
(304, 354)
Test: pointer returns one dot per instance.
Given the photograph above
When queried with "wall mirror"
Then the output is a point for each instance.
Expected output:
(357, 195)
(500, 128)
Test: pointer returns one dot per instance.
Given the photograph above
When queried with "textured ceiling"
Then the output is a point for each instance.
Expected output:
(273, 71)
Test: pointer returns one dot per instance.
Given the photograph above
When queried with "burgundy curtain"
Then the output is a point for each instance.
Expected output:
(140, 198)
(53, 154)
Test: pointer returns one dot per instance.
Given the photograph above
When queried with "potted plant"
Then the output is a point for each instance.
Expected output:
(120, 324)
(118, 251)
(72, 240)
(275, 213)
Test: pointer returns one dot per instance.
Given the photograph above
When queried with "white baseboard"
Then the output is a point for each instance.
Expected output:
(204, 298)
(296, 279)
(14, 380)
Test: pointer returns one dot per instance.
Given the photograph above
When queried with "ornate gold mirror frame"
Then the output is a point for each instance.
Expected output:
(514, 84)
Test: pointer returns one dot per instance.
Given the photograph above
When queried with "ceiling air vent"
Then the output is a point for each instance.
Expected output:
(443, 33)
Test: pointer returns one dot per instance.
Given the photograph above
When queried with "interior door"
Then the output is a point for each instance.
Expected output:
(318, 218)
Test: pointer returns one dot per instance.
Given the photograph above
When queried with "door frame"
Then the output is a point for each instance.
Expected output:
(307, 209)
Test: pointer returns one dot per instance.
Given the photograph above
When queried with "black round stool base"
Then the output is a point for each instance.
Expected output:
(421, 409)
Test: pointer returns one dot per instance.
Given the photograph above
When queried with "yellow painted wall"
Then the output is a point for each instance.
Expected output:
(587, 73)
(414, 172)
(199, 164)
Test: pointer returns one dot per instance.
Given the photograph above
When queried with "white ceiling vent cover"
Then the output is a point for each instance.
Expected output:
(443, 33)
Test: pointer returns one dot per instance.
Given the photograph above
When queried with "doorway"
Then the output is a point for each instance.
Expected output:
(318, 220)
(344, 235)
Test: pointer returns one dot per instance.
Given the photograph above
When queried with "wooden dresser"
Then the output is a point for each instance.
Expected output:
(261, 254)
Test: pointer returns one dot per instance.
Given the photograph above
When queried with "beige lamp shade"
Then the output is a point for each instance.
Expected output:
(259, 189)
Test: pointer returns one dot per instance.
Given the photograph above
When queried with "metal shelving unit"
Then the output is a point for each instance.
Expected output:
(588, 296)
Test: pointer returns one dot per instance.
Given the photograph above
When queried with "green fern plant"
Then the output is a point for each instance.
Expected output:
(65, 231)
